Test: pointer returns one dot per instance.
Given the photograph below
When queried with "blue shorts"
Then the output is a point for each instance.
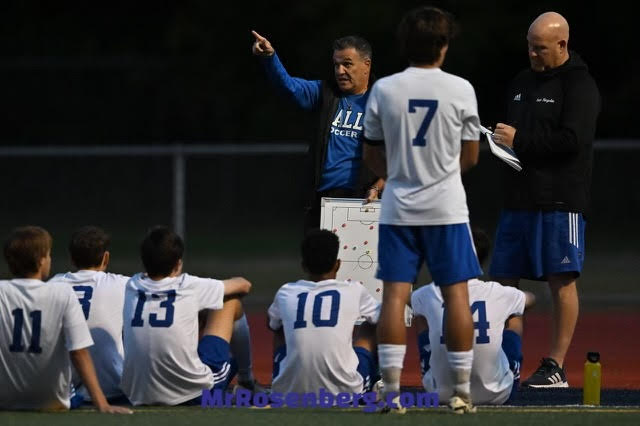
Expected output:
(536, 244)
(215, 352)
(448, 249)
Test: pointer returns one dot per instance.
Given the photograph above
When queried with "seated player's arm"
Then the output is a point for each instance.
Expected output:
(236, 286)
(81, 360)
(529, 299)
(373, 156)
(469, 155)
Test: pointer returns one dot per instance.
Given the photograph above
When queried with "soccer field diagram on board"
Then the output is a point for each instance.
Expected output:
(356, 225)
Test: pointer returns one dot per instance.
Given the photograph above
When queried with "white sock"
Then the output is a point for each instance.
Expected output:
(241, 349)
(460, 363)
(391, 358)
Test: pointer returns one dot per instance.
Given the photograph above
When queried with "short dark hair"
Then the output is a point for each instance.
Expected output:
(483, 244)
(160, 251)
(319, 251)
(88, 245)
(361, 45)
(24, 249)
(423, 32)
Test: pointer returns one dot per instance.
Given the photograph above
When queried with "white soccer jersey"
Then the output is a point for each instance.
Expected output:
(41, 323)
(161, 362)
(422, 115)
(317, 319)
(491, 305)
(101, 296)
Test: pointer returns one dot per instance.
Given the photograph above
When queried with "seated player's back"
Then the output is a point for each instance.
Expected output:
(491, 305)
(161, 337)
(318, 320)
(101, 295)
(41, 323)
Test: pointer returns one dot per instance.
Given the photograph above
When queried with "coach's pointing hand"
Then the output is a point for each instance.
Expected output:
(261, 47)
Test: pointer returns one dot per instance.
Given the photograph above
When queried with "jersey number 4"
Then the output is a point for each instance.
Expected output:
(167, 304)
(482, 325)
(333, 298)
(432, 104)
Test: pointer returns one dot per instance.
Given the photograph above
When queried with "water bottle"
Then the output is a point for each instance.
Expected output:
(592, 377)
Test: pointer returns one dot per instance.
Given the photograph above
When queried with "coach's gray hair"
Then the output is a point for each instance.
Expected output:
(362, 46)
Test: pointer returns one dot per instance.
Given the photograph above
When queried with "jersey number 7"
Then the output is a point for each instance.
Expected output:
(432, 104)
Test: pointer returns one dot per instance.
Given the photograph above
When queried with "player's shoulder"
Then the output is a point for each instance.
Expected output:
(389, 81)
(456, 81)
(493, 288)
(60, 277)
(425, 292)
(118, 279)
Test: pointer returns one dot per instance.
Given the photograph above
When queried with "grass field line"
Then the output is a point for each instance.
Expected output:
(482, 408)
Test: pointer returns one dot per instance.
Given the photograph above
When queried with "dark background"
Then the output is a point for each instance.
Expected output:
(109, 72)
(103, 71)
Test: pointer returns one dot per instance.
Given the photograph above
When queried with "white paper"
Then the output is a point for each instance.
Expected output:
(501, 150)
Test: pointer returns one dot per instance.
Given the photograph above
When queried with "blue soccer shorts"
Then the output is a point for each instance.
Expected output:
(536, 244)
(447, 249)
(215, 352)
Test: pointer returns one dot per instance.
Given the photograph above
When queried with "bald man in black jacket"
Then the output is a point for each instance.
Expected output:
(551, 114)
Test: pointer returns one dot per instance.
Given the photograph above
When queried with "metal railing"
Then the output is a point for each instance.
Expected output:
(179, 152)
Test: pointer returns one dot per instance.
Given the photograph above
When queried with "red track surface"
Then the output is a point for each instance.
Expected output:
(616, 335)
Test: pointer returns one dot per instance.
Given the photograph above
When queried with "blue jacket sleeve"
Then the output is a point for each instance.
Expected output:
(304, 93)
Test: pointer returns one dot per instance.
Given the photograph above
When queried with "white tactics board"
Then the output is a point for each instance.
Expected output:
(356, 225)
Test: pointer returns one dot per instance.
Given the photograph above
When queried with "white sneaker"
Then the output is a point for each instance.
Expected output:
(394, 408)
(461, 406)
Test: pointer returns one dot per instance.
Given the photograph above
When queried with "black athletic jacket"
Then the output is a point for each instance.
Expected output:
(554, 113)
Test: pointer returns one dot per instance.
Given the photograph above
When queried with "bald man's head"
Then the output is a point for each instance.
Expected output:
(548, 40)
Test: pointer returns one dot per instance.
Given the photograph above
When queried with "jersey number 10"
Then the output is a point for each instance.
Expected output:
(334, 299)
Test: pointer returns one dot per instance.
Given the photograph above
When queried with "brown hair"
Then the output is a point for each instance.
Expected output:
(24, 249)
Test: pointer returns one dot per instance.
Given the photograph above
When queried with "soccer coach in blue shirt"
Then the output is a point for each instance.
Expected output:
(339, 104)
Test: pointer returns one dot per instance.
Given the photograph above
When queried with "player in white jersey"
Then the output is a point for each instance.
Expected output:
(427, 122)
(166, 360)
(101, 295)
(497, 347)
(42, 330)
(317, 317)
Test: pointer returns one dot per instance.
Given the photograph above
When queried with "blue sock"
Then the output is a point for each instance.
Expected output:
(367, 367)
(512, 347)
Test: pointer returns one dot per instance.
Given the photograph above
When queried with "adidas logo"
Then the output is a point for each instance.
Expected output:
(565, 260)
(517, 97)
(555, 378)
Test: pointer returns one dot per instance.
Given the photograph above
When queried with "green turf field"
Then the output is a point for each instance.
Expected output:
(496, 416)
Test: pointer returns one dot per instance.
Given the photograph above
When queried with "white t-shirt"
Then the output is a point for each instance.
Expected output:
(423, 115)
(491, 305)
(317, 319)
(101, 296)
(161, 363)
(41, 323)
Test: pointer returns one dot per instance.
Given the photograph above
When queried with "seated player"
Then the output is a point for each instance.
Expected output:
(317, 317)
(42, 329)
(497, 346)
(101, 295)
(165, 361)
